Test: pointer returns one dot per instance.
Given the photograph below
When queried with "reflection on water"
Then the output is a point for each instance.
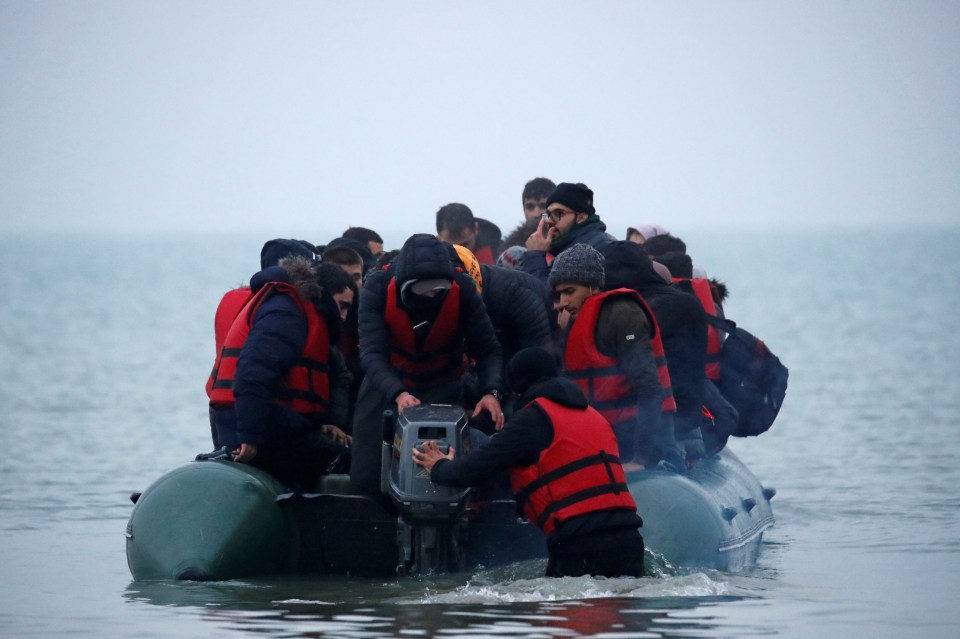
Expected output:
(863, 456)
(536, 607)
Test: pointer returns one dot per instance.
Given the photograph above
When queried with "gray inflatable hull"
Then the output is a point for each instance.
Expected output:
(217, 520)
(713, 516)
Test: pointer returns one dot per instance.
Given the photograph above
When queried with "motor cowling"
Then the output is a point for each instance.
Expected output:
(417, 498)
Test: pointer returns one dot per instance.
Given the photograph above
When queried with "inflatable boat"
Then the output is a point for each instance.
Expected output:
(220, 520)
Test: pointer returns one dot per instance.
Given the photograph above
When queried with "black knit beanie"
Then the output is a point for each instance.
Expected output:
(577, 197)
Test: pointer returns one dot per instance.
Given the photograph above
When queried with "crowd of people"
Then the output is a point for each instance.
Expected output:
(578, 358)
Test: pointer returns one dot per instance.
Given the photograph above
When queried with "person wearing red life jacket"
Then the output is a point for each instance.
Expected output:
(683, 327)
(278, 387)
(233, 300)
(424, 335)
(564, 468)
(614, 354)
(457, 225)
(704, 417)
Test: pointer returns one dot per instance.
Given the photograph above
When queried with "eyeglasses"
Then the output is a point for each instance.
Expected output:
(556, 214)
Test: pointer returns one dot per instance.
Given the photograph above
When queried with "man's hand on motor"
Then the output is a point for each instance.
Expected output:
(429, 454)
(406, 400)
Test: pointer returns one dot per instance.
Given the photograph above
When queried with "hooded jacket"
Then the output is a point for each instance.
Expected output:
(423, 257)
(521, 441)
(682, 320)
(276, 340)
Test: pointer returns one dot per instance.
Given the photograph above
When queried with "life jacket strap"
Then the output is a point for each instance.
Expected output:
(602, 457)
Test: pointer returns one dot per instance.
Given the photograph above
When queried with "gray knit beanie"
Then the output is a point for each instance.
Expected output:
(579, 264)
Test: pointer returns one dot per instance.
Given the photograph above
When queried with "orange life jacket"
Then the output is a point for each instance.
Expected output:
(704, 292)
(306, 386)
(599, 376)
(441, 358)
(578, 473)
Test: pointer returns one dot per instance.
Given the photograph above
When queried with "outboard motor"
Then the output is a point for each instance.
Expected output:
(430, 515)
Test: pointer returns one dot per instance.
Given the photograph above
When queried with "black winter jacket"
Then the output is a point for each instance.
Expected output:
(520, 308)
(424, 257)
(592, 231)
(682, 321)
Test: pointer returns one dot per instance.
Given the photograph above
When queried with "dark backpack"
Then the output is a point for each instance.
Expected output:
(752, 378)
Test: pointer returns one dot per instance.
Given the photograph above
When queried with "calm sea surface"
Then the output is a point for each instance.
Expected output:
(105, 345)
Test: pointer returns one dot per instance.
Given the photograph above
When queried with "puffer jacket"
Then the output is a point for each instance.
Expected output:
(423, 257)
(275, 343)
(520, 308)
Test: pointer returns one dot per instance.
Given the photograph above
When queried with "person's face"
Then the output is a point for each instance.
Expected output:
(561, 218)
(534, 207)
(636, 238)
(466, 236)
(572, 296)
(376, 248)
(355, 271)
(344, 300)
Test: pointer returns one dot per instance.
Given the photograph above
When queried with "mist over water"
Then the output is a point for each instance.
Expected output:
(105, 344)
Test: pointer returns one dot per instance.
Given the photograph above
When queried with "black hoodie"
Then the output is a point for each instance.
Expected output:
(423, 256)
(682, 321)
(525, 435)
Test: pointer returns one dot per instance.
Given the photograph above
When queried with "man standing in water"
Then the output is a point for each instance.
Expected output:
(564, 468)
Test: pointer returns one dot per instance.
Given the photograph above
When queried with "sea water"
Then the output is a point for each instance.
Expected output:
(106, 342)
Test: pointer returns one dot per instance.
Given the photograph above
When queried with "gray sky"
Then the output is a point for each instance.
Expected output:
(294, 118)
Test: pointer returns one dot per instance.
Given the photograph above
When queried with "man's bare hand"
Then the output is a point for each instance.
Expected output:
(336, 434)
(490, 404)
(406, 400)
(245, 453)
(429, 454)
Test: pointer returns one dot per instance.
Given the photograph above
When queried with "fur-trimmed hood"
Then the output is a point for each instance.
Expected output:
(299, 271)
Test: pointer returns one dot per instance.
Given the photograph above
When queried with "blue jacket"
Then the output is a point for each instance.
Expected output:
(276, 341)
(592, 232)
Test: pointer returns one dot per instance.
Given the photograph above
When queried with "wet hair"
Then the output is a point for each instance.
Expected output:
(537, 189)
(666, 243)
(362, 234)
(454, 217)
(342, 256)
